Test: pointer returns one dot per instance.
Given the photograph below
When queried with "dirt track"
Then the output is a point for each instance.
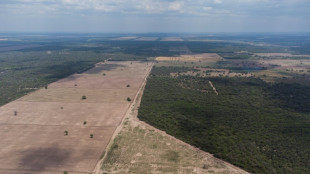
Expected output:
(32, 138)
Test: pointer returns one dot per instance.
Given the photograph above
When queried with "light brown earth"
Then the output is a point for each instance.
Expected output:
(171, 39)
(125, 38)
(214, 89)
(33, 140)
(192, 57)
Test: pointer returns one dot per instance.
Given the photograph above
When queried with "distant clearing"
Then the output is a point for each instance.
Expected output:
(193, 57)
(280, 55)
(147, 38)
(171, 39)
(125, 38)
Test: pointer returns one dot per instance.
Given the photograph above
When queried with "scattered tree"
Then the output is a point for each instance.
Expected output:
(128, 86)
(104, 74)
(45, 86)
(85, 122)
(83, 97)
(66, 133)
(61, 107)
(15, 113)
(91, 135)
(128, 99)
(65, 172)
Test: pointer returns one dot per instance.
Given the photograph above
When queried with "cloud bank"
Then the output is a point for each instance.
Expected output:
(154, 15)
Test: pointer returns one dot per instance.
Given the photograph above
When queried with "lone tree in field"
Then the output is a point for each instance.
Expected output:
(15, 113)
(66, 133)
(85, 122)
(128, 86)
(83, 97)
(65, 172)
(91, 135)
(128, 99)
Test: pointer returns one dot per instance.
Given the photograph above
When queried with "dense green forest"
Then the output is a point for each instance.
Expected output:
(22, 72)
(261, 127)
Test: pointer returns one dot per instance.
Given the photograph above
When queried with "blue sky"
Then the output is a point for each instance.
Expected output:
(154, 16)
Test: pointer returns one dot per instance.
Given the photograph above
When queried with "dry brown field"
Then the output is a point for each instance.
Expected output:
(193, 57)
(32, 127)
(171, 39)
(125, 38)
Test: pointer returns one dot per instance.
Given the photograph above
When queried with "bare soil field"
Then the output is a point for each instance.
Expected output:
(33, 128)
(171, 39)
(125, 38)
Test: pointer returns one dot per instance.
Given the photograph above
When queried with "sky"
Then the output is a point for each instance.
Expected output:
(146, 16)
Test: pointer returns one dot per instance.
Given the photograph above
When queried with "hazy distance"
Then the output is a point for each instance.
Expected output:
(140, 16)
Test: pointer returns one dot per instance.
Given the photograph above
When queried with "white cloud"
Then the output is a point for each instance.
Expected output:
(115, 15)
(207, 8)
(218, 1)
(177, 5)
(165, 7)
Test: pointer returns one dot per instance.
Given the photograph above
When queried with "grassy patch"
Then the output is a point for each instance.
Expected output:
(142, 150)
(171, 155)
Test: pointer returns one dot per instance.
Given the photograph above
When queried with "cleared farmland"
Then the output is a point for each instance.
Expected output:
(33, 128)
(192, 57)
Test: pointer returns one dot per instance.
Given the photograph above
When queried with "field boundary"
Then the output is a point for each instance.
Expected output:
(97, 169)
